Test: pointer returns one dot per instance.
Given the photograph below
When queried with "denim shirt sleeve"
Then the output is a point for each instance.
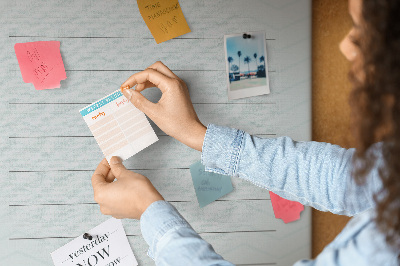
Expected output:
(312, 173)
(172, 241)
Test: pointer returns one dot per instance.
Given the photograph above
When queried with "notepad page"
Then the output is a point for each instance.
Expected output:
(119, 128)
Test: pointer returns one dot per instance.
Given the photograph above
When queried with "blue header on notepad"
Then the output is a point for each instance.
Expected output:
(100, 103)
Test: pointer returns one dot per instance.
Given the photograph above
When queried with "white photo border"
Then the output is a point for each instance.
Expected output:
(247, 92)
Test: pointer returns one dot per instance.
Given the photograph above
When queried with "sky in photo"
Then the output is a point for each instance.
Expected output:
(248, 47)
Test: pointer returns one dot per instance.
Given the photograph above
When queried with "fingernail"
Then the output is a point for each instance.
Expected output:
(115, 160)
(128, 94)
(124, 88)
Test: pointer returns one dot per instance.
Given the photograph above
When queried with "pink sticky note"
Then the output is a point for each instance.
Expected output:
(41, 63)
(284, 209)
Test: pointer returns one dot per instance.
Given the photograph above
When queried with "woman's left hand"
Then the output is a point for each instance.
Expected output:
(127, 197)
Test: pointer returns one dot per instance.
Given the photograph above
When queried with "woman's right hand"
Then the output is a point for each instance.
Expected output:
(174, 112)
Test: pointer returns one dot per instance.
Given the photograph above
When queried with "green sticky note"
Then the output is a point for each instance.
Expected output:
(209, 186)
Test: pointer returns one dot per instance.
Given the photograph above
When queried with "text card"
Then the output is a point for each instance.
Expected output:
(118, 126)
(287, 210)
(41, 63)
(164, 18)
(108, 246)
(209, 186)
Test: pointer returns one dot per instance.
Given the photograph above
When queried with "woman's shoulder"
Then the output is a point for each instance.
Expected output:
(361, 240)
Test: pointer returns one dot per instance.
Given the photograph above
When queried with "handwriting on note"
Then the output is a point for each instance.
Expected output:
(41, 63)
(164, 18)
(209, 186)
(287, 210)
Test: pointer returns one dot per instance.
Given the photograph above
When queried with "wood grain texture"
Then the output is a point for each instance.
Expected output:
(331, 88)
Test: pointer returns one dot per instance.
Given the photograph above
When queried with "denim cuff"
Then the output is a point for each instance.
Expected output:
(222, 147)
(159, 218)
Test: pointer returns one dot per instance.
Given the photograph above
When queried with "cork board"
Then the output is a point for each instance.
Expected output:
(330, 92)
(49, 154)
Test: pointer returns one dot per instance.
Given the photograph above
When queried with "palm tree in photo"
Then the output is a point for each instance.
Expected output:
(239, 54)
(262, 59)
(234, 68)
(255, 58)
(230, 59)
(247, 60)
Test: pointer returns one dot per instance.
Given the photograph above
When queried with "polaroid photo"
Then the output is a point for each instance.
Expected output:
(246, 65)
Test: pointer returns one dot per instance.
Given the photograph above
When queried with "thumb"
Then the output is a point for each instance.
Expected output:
(117, 167)
(138, 100)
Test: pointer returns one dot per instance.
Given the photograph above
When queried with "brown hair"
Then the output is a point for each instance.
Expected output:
(376, 108)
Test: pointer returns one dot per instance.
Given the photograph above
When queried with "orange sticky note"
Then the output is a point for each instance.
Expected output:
(284, 209)
(164, 18)
(41, 63)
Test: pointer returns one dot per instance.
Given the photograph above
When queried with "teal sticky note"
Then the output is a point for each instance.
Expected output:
(209, 186)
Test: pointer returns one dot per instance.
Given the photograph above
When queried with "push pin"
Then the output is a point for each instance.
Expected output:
(246, 36)
(87, 236)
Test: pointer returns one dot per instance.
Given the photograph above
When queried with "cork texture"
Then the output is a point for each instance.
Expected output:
(330, 93)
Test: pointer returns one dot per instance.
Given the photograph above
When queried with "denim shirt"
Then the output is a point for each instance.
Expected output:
(312, 173)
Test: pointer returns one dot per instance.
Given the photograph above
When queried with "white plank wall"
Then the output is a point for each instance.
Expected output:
(48, 154)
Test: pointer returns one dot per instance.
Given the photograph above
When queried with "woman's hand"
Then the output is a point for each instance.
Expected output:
(174, 112)
(127, 197)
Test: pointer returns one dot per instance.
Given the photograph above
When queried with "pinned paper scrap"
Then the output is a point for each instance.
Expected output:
(41, 63)
(118, 126)
(284, 209)
(209, 186)
(164, 19)
(108, 246)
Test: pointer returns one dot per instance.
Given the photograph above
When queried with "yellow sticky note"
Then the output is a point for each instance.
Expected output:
(164, 18)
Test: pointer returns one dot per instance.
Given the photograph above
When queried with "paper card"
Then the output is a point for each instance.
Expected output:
(164, 18)
(209, 186)
(246, 65)
(118, 126)
(41, 63)
(284, 209)
(109, 246)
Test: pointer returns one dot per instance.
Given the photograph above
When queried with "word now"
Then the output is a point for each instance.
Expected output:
(93, 259)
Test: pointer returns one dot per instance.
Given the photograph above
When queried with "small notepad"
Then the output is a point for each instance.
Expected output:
(209, 186)
(41, 63)
(164, 19)
(287, 210)
(108, 246)
(119, 128)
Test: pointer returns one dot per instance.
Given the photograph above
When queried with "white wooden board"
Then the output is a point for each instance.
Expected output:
(48, 154)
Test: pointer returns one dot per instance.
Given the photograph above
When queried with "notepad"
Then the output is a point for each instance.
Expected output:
(287, 210)
(164, 19)
(119, 128)
(209, 186)
(41, 63)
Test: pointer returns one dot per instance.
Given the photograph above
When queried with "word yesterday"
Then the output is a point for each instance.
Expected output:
(89, 246)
